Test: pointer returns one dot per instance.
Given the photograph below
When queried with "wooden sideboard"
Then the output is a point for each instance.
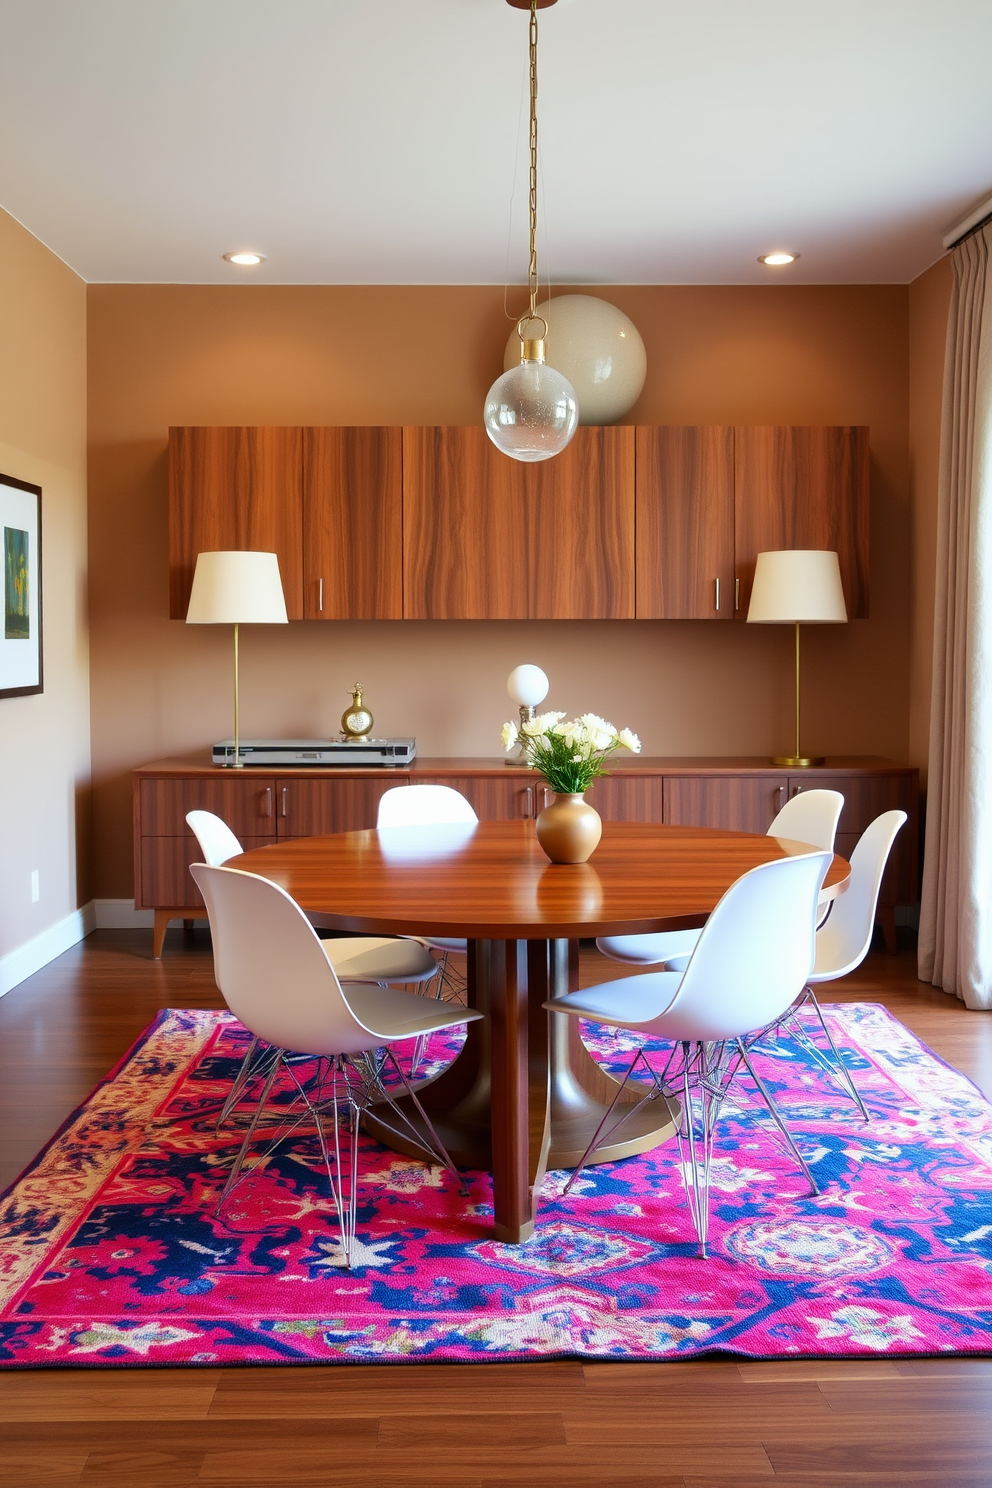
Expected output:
(433, 523)
(264, 807)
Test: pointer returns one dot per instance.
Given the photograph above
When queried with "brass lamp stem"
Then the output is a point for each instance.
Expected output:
(237, 706)
(797, 760)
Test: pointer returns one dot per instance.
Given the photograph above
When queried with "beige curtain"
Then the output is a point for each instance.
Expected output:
(956, 918)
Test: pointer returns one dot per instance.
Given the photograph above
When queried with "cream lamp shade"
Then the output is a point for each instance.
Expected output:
(237, 589)
(800, 584)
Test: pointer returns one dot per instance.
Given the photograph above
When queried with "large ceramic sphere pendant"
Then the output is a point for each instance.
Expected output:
(569, 829)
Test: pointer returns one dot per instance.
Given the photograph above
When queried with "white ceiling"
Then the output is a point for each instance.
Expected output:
(381, 141)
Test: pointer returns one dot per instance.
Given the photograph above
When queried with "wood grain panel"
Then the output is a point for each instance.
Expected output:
(490, 538)
(165, 877)
(506, 797)
(803, 488)
(312, 808)
(865, 796)
(685, 523)
(353, 523)
(245, 801)
(235, 488)
(737, 803)
(628, 798)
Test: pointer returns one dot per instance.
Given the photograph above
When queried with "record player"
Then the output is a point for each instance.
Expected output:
(317, 753)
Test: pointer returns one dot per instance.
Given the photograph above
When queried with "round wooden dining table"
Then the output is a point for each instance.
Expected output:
(523, 1094)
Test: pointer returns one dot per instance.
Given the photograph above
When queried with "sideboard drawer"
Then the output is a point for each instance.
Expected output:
(865, 796)
(245, 802)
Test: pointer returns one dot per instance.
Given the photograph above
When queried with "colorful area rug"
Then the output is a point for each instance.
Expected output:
(111, 1255)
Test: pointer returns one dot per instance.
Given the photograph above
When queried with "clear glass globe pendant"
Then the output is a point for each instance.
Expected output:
(531, 412)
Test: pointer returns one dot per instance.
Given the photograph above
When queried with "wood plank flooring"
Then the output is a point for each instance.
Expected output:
(717, 1423)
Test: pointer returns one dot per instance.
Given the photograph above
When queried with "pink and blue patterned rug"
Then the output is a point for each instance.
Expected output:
(111, 1254)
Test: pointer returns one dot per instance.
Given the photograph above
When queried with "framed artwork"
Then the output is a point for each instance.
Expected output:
(20, 634)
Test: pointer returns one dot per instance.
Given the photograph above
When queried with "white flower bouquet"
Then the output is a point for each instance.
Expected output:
(569, 754)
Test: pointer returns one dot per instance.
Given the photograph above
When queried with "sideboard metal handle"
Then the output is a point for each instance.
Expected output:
(266, 801)
(320, 595)
(547, 793)
(529, 789)
(737, 594)
(716, 585)
(284, 801)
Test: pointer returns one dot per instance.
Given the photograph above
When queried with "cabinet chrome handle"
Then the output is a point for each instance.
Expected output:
(547, 792)
(320, 595)
(284, 801)
(716, 586)
(737, 594)
(266, 802)
(796, 790)
(529, 789)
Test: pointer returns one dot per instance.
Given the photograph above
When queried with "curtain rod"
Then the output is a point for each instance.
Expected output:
(976, 218)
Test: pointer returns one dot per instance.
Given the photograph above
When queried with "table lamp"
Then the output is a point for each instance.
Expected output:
(236, 589)
(795, 587)
(527, 686)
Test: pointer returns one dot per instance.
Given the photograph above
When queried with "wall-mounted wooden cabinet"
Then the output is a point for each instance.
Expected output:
(385, 523)
(709, 500)
(489, 538)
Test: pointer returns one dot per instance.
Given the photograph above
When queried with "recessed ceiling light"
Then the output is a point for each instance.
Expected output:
(774, 260)
(245, 257)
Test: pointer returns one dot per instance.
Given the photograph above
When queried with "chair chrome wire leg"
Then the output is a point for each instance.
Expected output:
(777, 1117)
(652, 1094)
(438, 1151)
(838, 1068)
(242, 1079)
(239, 1160)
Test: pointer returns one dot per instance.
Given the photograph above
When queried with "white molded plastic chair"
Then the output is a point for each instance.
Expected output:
(430, 806)
(811, 816)
(277, 977)
(361, 958)
(842, 942)
(751, 962)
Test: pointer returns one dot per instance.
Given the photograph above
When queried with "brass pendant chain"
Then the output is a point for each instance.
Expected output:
(532, 268)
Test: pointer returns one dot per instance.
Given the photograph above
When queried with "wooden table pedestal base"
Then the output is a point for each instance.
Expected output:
(524, 1094)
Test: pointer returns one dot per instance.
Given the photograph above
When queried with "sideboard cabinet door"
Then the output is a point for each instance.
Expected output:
(685, 523)
(735, 803)
(235, 488)
(803, 488)
(353, 523)
(511, 796)
(490, 538)
(330, 803)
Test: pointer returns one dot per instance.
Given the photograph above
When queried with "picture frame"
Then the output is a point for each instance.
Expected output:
(21, 671)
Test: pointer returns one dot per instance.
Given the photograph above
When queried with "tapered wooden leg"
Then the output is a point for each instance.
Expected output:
(162, 919)
(520, 1082)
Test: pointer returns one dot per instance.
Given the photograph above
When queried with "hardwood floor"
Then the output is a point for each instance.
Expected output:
(706, 1424)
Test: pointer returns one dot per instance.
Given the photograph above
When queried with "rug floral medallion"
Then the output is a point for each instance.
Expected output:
(111, 1254)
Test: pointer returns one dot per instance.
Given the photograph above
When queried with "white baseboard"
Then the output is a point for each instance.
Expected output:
(120, 914)
(18, 965)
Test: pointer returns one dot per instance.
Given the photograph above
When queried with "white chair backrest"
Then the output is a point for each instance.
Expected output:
(843, 941)
(810, 816)
(423, 806)
(269, 964)
(217, 841)
(754, 954)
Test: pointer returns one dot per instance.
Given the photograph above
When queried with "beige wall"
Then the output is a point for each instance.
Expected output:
(161, 355)
(44, 739)
(929, 299)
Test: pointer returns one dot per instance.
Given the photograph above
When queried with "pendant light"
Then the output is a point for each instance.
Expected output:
(531, 412)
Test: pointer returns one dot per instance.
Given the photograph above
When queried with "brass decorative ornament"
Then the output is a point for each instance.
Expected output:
(356, 721)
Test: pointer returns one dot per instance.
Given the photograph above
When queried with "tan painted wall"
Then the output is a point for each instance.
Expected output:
(929, 299)
(163, 355)
(44, 739)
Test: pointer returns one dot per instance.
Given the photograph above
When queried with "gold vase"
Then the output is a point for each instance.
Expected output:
(569, 829)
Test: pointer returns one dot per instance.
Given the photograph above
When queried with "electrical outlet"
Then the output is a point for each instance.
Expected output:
(35, 885)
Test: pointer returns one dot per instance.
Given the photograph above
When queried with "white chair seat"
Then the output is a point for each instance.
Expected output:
(375, 958)
(448, 946)
(628, 1001)
(648, 950)
(392, 1014)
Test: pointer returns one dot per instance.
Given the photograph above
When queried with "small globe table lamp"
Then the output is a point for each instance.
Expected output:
(527, 686)
(237, 589)
(798, 586)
